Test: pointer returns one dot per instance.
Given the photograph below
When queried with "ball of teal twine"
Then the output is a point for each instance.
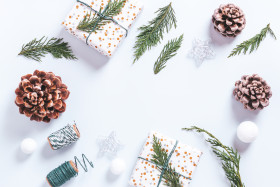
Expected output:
(63, 137)
(61, 174)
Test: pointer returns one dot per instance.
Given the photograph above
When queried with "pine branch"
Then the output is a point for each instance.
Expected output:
(171, 178)
(169, 50)
(152, 33)
(253, 43)
(229, 157)
(36, 49)
(91, 20)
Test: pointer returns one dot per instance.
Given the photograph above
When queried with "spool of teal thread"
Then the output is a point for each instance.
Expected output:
(62, 174)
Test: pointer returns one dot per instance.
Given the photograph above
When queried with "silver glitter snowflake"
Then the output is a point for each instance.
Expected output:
(201, 50)
(109, 144)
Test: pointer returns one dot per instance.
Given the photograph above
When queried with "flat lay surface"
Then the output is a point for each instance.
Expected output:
(109, 94)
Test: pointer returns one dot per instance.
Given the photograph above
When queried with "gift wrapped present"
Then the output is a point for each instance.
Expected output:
(164, 162)
(105, 32)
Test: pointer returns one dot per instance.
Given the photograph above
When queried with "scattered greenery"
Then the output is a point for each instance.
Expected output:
(169, 50)
(94, 20)
(229, 157)
(36, 49)
(171, 178)
(253, 43)
(152, 33)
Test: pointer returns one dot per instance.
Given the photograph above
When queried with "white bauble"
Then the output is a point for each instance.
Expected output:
(247, 131)
(28, 146)
(117, 166)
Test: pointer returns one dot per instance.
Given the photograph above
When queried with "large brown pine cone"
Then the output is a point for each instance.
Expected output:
(253, 92)
(41, 96)
(229, 20)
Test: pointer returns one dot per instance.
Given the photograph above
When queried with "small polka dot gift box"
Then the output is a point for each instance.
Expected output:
(180, 160)
(107, 38)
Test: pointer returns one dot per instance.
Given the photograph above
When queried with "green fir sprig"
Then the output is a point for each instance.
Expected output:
(169, 50)
(36, 49)
(229, 157)
(94, 20)
(159, 157)
(152, 33)
(253, 43)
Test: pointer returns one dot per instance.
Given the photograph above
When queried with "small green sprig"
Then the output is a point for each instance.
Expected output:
(253, 43)
(171, 178)
(152, 33)
(36, 49)
(229, 157)
(94, 20)
(169, 50)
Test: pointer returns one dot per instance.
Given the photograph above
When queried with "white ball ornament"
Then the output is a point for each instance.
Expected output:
(117, 166)
(247, 131)
(28, 146)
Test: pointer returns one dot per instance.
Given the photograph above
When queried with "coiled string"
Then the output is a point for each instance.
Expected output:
(84, 165)
(66, 171)
(64, 137)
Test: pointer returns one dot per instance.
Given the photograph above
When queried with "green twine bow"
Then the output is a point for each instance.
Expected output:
(101, 15)
(165, 166)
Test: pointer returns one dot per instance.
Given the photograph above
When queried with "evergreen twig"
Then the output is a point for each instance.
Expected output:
(169, 50)
(171, 178)
(36, 49)
(253, 43)
(229, 157)
(152, 33)
(91, 20)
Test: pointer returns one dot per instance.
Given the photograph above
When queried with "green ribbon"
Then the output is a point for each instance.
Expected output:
(101, 15)
(165, 166)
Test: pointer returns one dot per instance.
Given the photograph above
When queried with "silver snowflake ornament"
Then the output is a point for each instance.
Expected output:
(109, 144)
(201, 50)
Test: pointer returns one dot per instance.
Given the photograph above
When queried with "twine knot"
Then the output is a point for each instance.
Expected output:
(101, 16)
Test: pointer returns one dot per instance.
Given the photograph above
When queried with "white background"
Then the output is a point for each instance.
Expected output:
(112, 94)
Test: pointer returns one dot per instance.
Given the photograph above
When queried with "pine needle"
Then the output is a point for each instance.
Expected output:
(253, 43)
(152, 33)
(171, 178)
(169, 50)
(229, 157)
(36, 49)
(94, 20)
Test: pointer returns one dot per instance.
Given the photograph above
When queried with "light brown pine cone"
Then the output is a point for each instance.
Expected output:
(229, 20)
(253, 92)
(41, 96)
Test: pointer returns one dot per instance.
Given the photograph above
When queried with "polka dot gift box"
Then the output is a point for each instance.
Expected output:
(106, 39)
(181, 157)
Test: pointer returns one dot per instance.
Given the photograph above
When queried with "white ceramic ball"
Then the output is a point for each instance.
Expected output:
(28, 146)
(247, 131)
(117, 166)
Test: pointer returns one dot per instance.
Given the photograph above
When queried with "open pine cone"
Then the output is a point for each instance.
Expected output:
(253, 92)
(41, 96)
(229, 20)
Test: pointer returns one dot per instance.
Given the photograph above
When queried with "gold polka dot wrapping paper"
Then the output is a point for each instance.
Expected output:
(184, 159)
(110, 36)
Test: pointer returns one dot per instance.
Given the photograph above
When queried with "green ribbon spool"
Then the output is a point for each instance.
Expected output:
(61, 174)
(66, 171)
